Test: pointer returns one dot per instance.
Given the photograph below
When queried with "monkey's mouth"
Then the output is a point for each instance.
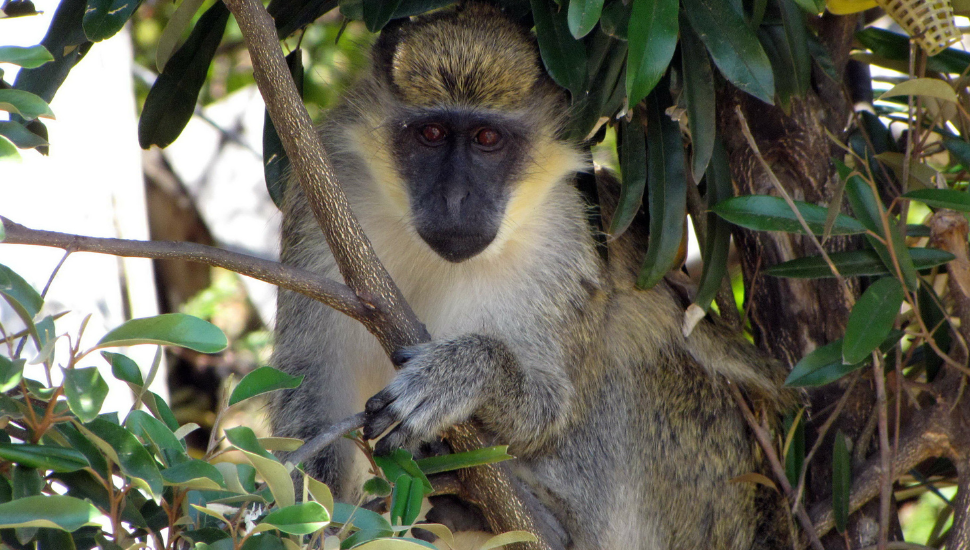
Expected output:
(457, 244)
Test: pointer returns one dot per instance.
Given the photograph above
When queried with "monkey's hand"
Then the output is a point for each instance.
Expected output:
(440, 384)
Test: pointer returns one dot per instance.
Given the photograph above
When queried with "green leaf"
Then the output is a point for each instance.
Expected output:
(82, 443)
(19, 293)
(935, 319)
(615, 19)
(445, 463)
(871, 319)
(11, 372)
(699, 96)
(377, 486)
(633, 171)
(25, 104)
(276, 475)
(667, 189)
(151, 430)
(28, 58)
(360, 518)
(21, 136)
(85, 391)
(171, 101)
(733, 46)
(795, 457)
(104, 18)
(262, 380)
(299, 519)
(400, 462)
(174, 329)
(54, 511)
(123, 368)
(652, 36)
(824, 365)
(563, 56)
(869, 210)
(814, 7)
(717, 244)
(377, 13)
(854, 263)
(959, 149)
(767, 213)
(583, 16)
(895, 46)
(43, 457)
(400, 497)
(942, 198)
(177, 23)
(132, 456)
(160, 410)
(8, 151)
(796, 33)
(245, 439)
(841, 481)
(928, 87)
(186, 473)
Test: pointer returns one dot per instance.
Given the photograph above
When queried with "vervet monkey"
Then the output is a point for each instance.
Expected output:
(452, 153)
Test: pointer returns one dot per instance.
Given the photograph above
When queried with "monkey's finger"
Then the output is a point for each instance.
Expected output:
(376, 424)
(403, 355)
(396, 438)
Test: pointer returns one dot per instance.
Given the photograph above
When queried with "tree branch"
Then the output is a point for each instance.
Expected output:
(326, 291)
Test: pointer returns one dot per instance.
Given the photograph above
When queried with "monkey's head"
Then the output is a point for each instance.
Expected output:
(473, 127)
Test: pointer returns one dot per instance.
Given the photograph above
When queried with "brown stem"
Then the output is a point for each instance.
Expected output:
(319, 288)
(393, 322)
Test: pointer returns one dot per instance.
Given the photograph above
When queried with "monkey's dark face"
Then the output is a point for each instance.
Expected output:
(458, 167)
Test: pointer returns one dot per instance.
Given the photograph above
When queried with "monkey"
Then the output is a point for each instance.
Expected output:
(453, 154)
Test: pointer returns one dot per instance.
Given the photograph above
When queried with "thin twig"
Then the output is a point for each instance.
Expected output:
(850, 299)
(324, 290)
(764, 439)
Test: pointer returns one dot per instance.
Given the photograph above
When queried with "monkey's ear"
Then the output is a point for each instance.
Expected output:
(382, 55)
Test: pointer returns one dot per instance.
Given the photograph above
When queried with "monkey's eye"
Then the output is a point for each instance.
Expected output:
(433, 134)
(488, 139)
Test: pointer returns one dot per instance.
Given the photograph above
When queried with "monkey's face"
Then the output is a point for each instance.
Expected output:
(457, 166)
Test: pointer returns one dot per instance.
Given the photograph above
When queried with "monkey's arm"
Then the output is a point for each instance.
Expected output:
(443, 383)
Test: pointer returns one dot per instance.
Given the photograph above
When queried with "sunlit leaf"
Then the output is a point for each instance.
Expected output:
(26, 57)
(43, 457)
(25, 104)
(175, 329)
(54, 511)
(444, 463)
(942, 198)
(134, 460)
(177, 23)
(262, 380)
(930, 87)
(192, 471)
(299, 519)
(85, 391)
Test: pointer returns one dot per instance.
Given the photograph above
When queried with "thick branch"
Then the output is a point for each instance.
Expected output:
(324, 290)
(395, 325)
